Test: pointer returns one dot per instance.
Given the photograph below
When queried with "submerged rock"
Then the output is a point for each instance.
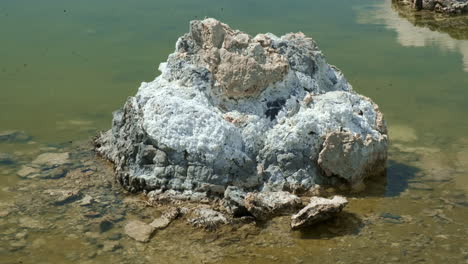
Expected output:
(318, 210)
(139, 230)
(26, 171)
(14, 136)
(61, 197)
(52, 159)
(6, 159)
(262, 114)
(166, 218)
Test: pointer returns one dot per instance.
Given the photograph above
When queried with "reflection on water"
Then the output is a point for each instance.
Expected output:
(422, 35)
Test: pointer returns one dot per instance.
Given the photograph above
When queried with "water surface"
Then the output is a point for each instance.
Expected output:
(66, 65)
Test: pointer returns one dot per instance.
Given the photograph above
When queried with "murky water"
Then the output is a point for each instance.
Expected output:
(66, 65)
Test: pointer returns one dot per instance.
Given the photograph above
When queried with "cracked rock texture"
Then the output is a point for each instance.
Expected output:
(261, 114)
(319, 209)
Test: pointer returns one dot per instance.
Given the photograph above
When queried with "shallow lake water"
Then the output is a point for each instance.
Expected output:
(66, 65)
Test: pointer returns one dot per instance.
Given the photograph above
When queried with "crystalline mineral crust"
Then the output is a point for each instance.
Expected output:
(261, 113)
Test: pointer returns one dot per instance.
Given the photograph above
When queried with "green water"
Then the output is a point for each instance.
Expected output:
(66, 65)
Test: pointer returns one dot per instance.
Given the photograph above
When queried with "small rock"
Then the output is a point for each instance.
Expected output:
(14, 136)
(21, 235)
(26, 171)
(54, 173)
(87, 200)
(6, 159)
(105, 225)
(234, 201)
(208, 218)
(18, 244)
(265, 205)
(110, 246)
(318, 210)
(64, 196)
(166, 218)
(114, 236)
(391, 218)
(139, 230)
(52, 159)
(92, 214)
(28, 222)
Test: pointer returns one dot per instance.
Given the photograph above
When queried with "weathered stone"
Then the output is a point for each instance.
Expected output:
(14, 136)
(51, 159)
(26, 171)
(350, 156)
(6, 159)
(53, 173)
(61, 197)
(255, 113)
(110, 246)
(87, 200)
(166, 218)
(265, 205)
(234, 201)
(139, 230)
(318, 210)
(208, 218)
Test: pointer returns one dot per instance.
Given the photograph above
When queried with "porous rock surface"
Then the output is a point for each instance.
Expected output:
(319, 209)
(440, 6)
(261, 114)
(266, 205)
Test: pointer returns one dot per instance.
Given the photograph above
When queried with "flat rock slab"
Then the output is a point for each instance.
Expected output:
(319, 209)
(87, 200)
(61, 197)
(14, 136)
(166, 218)
(139, 230)
(52, 159)
(265, 205)
(6, 159)
(26, 171)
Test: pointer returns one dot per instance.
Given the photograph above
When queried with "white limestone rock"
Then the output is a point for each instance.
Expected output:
(261, 113)
(319, 209)
(266, 205)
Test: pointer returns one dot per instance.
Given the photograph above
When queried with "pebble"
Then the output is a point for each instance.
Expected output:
(87, 200)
